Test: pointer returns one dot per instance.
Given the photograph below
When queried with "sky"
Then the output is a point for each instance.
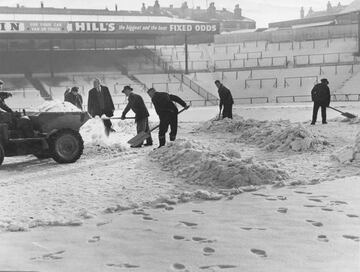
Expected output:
(262, 11)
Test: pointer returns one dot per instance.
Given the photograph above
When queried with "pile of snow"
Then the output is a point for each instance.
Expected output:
(270, 135)
(56, 106)
(348, 153)
(98, 143)
(199, 165)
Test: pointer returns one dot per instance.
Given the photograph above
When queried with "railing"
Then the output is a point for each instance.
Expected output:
(351, 70)
(307, 98)
(328, 58)
(136, 86)
(194, 65)
(196, 87)
(166, 86)
(249, 54)
(261, 80)
(301, 79)
(276, 61)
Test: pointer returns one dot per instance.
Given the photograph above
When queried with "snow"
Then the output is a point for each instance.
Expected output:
(56, 106)
(217, 198)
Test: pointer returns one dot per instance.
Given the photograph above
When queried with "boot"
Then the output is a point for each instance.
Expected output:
(162, 141)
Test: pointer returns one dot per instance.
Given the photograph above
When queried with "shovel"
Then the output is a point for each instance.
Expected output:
(114, 118)
(346, 114)
(142, 136)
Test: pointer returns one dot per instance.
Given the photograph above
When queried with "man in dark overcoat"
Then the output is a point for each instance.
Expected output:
(226, 100)
(320, 95)
(100, 102)
(168, 113)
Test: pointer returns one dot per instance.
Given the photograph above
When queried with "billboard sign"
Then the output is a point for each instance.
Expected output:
(108, 27)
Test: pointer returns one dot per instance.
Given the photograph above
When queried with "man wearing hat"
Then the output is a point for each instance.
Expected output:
(168, 113)
(320, 95)
(137, 105)
(3, 96)
(73, 97)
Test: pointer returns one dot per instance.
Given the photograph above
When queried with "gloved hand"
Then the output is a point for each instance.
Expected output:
(122, 117)
(186, 107)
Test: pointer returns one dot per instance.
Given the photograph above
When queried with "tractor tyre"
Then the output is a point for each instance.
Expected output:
(66, 146)
(2, 154)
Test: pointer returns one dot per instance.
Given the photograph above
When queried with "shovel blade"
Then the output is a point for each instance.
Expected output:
(348, 115)
(139, 139)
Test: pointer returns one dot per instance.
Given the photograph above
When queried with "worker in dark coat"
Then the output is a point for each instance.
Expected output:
(137, 105)
(74, 97)
(22, 123)
(226, 100)
(168, 113)
(100, 102)
(3, 96)
(320, 95)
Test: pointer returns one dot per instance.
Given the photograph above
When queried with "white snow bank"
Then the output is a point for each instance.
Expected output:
(96, 141)
(56, 106)
(270, 135)
(349, 153)
(199, 165)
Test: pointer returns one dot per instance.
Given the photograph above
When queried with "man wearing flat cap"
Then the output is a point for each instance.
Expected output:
(320, 95)
(137, 105)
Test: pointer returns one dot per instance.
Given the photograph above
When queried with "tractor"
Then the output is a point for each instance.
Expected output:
(55, 135)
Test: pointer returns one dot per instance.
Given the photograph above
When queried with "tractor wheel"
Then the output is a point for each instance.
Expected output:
(2, 154)
(66, 146)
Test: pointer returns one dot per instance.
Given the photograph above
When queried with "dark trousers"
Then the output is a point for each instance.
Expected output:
(227, 111)
(108, 125)
(316, 107)
(166, 120)
(142, 125)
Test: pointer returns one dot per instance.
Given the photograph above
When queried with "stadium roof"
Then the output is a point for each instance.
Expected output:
(353, 7)
(92, 18)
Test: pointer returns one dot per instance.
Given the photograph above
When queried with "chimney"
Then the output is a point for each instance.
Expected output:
(42, 4)
(237, 12)
(116, 7)
(171, 6)
(302, 13)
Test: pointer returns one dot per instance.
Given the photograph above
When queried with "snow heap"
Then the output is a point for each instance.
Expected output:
(270, 135)
(199, 165)
(96, 141)
(56, 106)
(349, 153)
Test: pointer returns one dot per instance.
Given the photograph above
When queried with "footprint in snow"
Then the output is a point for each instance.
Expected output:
(178, 266)
(208, 251)
(282, 210)
(221, 266)
(149, 218)
(352, 215)
(315, 199)
(188, 224)
(323, 238)
(352, 237)
(327, 209)
(259, 252)
(94, 239)
(338, 202)
(314, 223)
(53, 256)
(202, 240)
(198, 211)
(178, 237)
(123, 265)
(304, 193)
(258, 194)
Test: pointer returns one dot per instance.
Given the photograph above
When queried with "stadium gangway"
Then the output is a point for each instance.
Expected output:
(339, 59)
(301, 79)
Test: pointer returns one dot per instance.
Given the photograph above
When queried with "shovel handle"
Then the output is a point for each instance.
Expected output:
(184, 109)
(335, 109)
